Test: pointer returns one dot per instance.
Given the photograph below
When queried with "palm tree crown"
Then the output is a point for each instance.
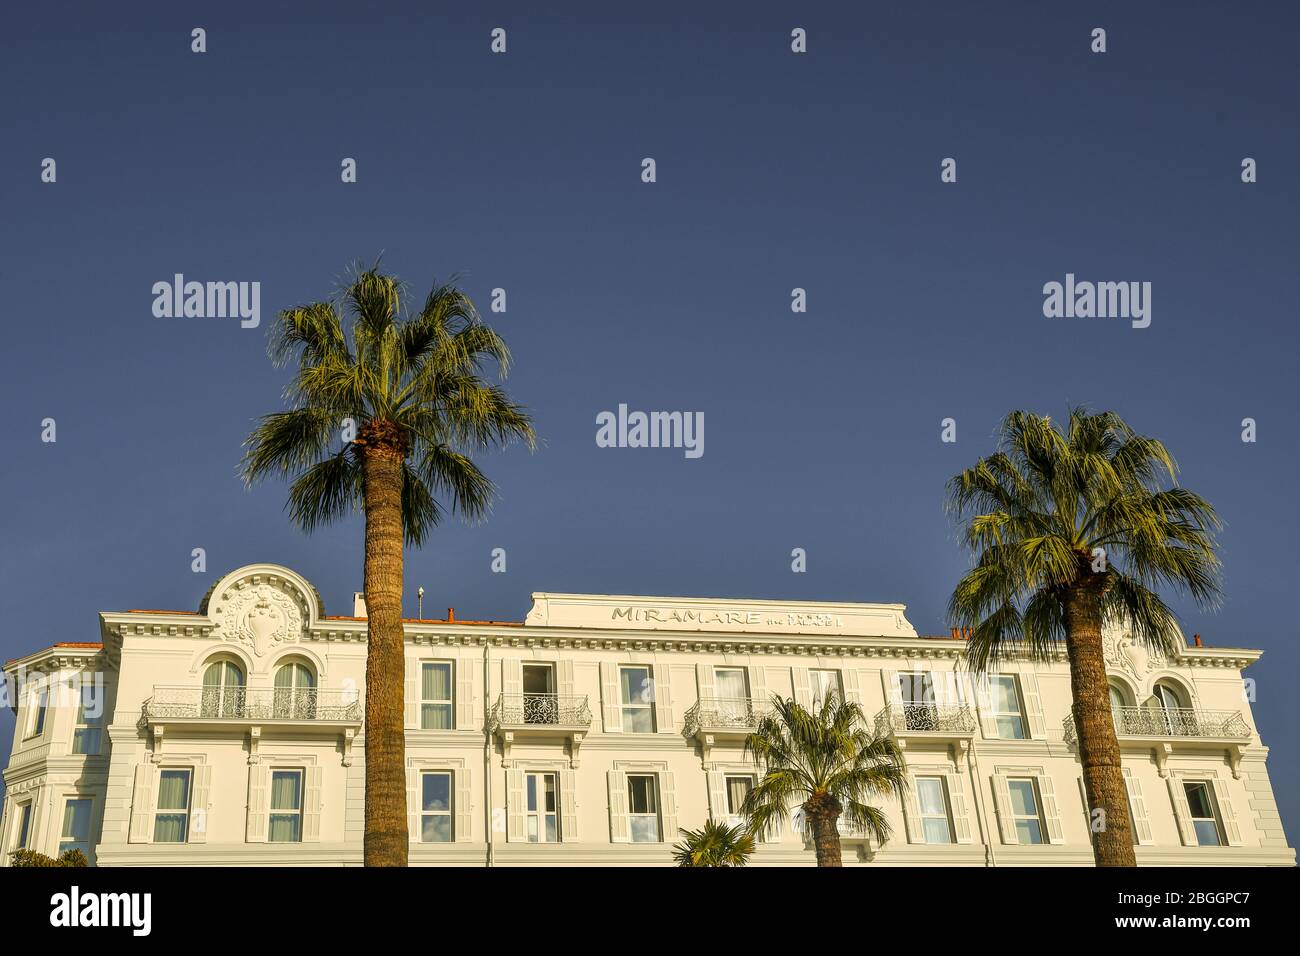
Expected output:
(715, 844)
(827, 762)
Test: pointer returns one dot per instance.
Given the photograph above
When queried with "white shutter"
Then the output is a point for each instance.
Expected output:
(984, 700)
(1137, 807)
(199, 804)
(802, 686)
(464, 807)
(1182, 812)
(959, 809)
(852, 689)
(1051, 812)
(466, 712)
(1033, 706)
(893, 693)
(617, 807)
(568, 806)
(564, 676)
(912, 812)
(141, 805)
(512, 677)
(611, 703)
(717, 794)
(312, 806)
(663, 698)
(758, 686)
(412, 699)
(668, 806)
(1226, 814)
(516, 809)
(259, 776)
(704, 681)
(1002, 800)
(413, 806)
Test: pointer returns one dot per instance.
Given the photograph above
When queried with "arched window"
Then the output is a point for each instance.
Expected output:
(295, 691)
(1179, 719)
(1118, 697)
(223, 690)
(1168, 696)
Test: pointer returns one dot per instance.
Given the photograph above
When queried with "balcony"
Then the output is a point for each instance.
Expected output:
(283, 712)
(1163, 728)
(715, 719)
(953, 725)
(538, 717)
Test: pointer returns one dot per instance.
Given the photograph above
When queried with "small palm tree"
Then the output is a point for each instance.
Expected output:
(1072, 529)
(825, 761)
(714, 844)
(406, 393)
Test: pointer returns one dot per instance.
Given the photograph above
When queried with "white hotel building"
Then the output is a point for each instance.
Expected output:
(591, 732)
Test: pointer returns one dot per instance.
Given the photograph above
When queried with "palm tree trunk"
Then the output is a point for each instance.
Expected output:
(1103, 781)
(823, 815)
(385, 751)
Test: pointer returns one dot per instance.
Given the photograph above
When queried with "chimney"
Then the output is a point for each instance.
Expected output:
(451, 615)
(359, 604)
(1197, 639)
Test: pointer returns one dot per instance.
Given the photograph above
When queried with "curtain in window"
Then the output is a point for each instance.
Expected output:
(737, 790)
(436, 686)
(285, 804)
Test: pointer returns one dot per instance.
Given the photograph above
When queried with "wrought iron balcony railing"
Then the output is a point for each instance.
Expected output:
(725, 713)
(249, 704)
(927, 718)
(523, 710)
(1172, 722)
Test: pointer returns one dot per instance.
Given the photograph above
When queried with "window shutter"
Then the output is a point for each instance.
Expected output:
(802, 686)
(617, 806)
(199, 804)
(668, 807)
(1051, 811)
(311, 806)
(852, 690)
(612, 704)
(258, 783)
(984, 707)
(717, 781)
(565, 677)
(568, 806)
(1137, 806)
(512, 677)
(464, 807)
(1182, 812)
(142, 805)
(663, 701)
(466, 712)
(515, 807)
(893, 693)
(1033, 706)
(704, 681)
(961, 830)
(413, 806)
(1002, 799)
(758, 686)
(1229, 818)
(412, 693)
(912, 812)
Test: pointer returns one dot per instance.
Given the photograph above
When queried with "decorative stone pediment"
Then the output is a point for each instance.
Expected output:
(1125, 652)
(261, 608)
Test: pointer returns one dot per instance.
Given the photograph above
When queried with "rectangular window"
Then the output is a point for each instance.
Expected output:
(823, 683)
(76, 826)
(643, 808)
(171, 822)
(638, 697)
(1024, 810)
(1205, 819)
(932, 800)
(24, 826)
(435, 696)
(543, 823)
(1005, 696)
(435, 808)
(733, 693)
(39, 701)
(90, 721)
(541, 706)
(917, 690)
(286, 806)
(737, 790)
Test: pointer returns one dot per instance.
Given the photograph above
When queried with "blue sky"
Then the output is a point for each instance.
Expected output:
(775, 171)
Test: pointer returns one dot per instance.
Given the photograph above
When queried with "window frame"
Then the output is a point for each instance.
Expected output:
(272, 812)
(23, 825)
(945, 799)
(814, 691)
(431, 702)
(735, 814)
(537, 818)
(1019, 714)
(1016, 818)
(449, 813)
(187, 812)
(638, 706)
(1215, 817)
(38, 715)
(84, 727)
(655, 814)
(68, 841)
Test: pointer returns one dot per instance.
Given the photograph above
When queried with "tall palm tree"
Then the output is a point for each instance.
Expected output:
(825, 761)
(406, 392)
(1073, 529)
(714, 844)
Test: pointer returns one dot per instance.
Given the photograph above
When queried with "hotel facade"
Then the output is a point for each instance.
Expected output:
(592, 731)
